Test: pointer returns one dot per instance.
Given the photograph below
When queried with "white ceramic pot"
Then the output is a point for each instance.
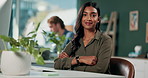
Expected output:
(15, 63)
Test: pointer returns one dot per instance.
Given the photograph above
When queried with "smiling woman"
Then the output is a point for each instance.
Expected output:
(91, 49)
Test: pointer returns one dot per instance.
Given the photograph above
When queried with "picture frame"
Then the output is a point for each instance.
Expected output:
(146, 38)
(133, 23)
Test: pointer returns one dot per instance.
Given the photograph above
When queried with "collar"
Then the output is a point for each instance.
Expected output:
(65, 31)
(97, 35)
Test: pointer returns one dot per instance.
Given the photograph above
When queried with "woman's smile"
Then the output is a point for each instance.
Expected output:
(88, 23)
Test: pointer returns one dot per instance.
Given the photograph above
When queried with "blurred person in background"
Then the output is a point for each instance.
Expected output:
(57, 26)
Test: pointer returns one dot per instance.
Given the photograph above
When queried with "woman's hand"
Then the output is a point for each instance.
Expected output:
(89, 60)
(63, 55)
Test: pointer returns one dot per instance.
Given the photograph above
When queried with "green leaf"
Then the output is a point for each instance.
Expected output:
(34, 35)
(35, 53)
(43, 49)
(13, 42)
(44, 32)
(37, 27)
(5, 38)
(24, 42)
(40, 60)
(54, 41)
(15, 49)
(32, 43)
(31, 32)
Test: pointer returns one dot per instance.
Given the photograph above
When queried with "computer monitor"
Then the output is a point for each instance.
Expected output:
(5, 16)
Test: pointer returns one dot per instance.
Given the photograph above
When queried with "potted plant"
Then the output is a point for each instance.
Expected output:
(16, 60)
(54, 38)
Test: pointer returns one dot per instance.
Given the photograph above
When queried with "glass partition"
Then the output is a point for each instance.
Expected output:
(27, 14)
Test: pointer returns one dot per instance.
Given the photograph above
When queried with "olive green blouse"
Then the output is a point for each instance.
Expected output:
(100, 46)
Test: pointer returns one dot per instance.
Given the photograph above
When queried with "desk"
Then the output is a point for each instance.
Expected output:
(35, 72)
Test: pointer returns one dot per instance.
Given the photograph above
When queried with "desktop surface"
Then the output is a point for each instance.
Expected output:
(44, 72)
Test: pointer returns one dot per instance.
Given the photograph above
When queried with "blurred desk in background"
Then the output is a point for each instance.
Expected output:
(48, 63)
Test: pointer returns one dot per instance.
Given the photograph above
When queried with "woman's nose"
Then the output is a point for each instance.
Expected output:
(88, 17)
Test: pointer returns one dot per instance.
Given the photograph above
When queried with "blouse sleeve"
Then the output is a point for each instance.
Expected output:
(64, 63)
(104, 55)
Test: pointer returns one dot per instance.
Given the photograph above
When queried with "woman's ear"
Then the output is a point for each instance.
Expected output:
(99, 19)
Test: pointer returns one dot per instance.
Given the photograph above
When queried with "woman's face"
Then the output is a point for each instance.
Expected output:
(90, 18)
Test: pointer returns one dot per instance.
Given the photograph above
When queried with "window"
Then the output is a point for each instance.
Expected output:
(27, 14)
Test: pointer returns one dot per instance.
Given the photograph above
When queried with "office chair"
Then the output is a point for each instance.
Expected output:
(119, 66)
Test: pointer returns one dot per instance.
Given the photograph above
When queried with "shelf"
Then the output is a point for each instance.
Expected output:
(111, 28)
(104, 22)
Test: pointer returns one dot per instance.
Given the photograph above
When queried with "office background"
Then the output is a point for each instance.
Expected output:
(126, 40)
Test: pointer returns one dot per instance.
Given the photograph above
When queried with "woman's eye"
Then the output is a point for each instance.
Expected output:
(93, 15)
(84, 14)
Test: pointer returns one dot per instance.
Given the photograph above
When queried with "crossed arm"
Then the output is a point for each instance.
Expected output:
(89, 60)
(98, 63)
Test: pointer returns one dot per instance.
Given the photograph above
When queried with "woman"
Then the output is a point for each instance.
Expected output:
(90, 50)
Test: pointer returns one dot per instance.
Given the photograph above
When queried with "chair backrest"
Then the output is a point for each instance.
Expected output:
(119, 66)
